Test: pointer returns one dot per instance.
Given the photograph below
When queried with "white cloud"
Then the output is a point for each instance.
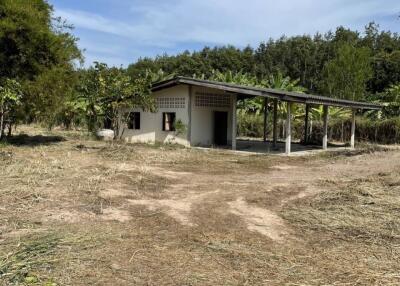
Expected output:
(227, 21)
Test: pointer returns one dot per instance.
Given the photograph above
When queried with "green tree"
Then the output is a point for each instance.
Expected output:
(390, 101)
(49, 93)
(10, 96)
(103, 92)
(347, 74)
(38, 51)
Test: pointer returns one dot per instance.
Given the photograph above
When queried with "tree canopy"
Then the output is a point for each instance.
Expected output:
(103, 92)
(347, 74)
(39, 52)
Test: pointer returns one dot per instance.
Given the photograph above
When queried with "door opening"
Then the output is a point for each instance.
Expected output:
(220, 128)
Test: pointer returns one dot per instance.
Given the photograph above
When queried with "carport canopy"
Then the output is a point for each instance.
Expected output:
(241, 91)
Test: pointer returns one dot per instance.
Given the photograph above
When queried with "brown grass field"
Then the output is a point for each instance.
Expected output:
(75, 211)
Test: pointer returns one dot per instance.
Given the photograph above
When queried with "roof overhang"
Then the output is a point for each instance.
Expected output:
(266, 92)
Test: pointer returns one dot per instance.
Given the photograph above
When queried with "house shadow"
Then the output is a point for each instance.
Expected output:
(35, 140)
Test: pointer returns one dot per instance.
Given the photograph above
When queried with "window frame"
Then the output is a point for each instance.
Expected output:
(164, 121)
(133, 120)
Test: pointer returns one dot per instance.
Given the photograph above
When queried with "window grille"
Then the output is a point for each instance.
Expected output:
(212, 100)
(171, 102)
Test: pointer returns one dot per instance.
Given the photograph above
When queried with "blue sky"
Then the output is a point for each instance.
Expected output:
(118, 32)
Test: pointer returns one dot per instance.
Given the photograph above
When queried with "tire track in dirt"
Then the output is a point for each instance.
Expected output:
(229, 191)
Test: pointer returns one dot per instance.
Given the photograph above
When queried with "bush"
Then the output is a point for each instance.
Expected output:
(250, 125)
(378, 131)
(385, 131)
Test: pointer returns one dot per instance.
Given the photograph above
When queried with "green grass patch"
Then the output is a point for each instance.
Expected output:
(20, 265)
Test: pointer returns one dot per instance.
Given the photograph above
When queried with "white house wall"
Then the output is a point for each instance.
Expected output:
(202, 132)
(151, 123)
(202, 118)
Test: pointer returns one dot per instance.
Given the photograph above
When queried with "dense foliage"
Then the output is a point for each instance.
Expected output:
(38, 52)
(102, 92)
(10, 97)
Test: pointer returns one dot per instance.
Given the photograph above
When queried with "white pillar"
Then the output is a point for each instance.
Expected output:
(234, 124)
(189, 129)
(325, 138)
(265, 118)
(288, 129)
(275, 124)
(306, 124)
(353, 128)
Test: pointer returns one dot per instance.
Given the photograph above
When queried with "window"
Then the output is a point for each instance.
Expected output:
(171, 102)
(168, 121)
(212, 100)
(133, 120)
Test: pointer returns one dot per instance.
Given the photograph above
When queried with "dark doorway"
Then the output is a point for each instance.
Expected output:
(220, 128)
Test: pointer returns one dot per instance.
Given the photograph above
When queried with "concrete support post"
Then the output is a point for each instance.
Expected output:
(325, 138)
(288, 142)
(189, 129)
(265, 118)
(306, 124)
(234, 123)
(353, 129)
(275, 125)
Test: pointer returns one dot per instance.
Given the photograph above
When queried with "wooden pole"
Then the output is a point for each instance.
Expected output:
(325, 138)
(265, 118)
(234, 103)
(288, 142)
(353, 129)
(275, 119)
(306, 124)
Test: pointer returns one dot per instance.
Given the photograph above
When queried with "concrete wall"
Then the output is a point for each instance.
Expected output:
(151, 123)
(202, 118)
(202, 132)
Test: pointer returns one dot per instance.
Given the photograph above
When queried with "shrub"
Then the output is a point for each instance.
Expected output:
(378, 131)
(250, 125)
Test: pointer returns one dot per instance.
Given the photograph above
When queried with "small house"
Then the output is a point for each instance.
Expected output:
(195, 112)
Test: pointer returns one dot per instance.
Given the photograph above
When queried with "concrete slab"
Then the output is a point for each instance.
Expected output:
(258, 146)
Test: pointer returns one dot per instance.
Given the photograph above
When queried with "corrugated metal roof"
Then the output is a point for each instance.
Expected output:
(266, 92)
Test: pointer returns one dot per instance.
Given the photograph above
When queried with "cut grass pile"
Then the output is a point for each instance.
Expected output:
(33, 259)
(20, 264)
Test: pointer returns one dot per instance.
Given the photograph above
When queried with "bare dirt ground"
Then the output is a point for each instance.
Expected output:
(74, 211)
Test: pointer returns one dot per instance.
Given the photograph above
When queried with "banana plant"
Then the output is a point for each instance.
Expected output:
(390, 101)
(160, 75)
(280, 82)
(335, 113)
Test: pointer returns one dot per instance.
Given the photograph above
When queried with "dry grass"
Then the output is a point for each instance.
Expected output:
(66, 216)
(353, 229)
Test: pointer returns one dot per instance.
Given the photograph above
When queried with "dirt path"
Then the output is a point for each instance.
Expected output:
(277, 185)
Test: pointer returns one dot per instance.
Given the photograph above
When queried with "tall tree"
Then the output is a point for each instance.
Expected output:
(39, 51)
(347, 74)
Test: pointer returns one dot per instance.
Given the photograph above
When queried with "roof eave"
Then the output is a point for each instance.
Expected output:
(264, 92)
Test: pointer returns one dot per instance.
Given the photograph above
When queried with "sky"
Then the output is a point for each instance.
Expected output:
(118, 32)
